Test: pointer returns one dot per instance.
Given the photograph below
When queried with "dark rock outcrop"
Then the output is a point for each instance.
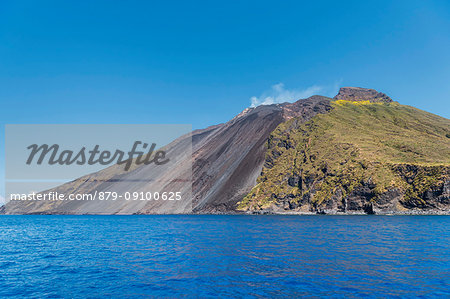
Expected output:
(362, 94)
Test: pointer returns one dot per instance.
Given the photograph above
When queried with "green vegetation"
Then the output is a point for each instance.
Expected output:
(356, 144)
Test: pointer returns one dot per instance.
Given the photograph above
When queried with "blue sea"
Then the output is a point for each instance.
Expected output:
(224, 256)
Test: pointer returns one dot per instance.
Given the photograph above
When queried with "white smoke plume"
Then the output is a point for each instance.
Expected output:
(279, 94)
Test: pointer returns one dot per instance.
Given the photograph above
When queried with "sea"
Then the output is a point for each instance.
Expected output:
(238, 256)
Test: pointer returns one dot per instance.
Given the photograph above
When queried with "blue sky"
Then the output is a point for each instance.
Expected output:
(201, 62)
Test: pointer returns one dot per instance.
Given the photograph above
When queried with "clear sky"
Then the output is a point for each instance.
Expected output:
(201, 62)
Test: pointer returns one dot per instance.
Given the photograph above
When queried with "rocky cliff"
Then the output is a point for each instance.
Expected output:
(362, 94)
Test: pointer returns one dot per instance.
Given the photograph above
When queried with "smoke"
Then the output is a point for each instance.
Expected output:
(279, 94)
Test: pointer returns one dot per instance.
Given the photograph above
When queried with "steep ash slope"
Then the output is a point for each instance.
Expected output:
(227, 162)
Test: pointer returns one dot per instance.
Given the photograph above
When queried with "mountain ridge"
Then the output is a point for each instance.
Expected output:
(229, 160)
(359, 158)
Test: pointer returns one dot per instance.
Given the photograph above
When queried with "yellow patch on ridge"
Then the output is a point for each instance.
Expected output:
(343, 102)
